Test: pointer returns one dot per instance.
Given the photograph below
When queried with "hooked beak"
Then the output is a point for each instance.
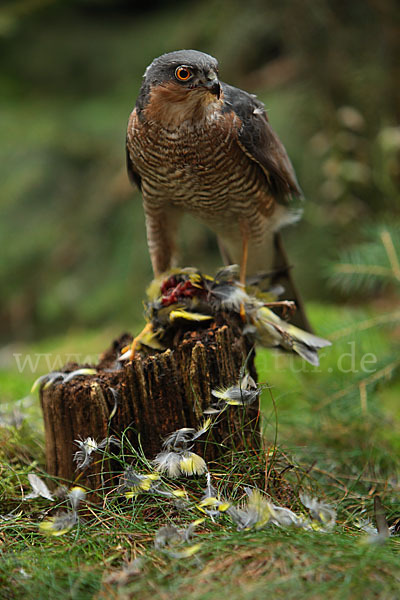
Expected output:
(213, 87)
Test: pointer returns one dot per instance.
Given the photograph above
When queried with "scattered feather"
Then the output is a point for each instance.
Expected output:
(47, 380)
(24, 574)
(244, 393)
(179, 493)
(83, 457)
(256, 512)
(75, 496)
(59, 524)
(203, 429)
(321, 513)
(366, 526)
(181, 438)
(186, 552)
(169, 535)
(39, 488)
(12, 516)
(136, 483)
(88, 447)
(192, 464)
(64, 521)
(115, 395)
(169, 463)
(283, 517)
(188, 531)
(183, 462)
(173, 541)
(210, 504)
(78, 373)
(213, 506)
(209, 490)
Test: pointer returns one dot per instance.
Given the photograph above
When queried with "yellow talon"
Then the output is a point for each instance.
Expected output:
(131, 348)
(242, 312)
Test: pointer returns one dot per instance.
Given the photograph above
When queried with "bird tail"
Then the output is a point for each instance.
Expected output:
(282, 275)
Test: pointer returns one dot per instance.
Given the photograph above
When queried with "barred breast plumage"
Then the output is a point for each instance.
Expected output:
(199, 168)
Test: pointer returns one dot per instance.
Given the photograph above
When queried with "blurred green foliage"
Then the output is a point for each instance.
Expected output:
(72, 230)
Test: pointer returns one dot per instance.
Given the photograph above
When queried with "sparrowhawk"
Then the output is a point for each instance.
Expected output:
(200, 146)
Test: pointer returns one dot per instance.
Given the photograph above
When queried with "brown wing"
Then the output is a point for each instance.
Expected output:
(259, 141)
(133, 175)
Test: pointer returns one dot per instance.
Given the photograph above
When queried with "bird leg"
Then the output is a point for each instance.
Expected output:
(243, 263)
(243, 267)
(161, 227)
(288, 307)
(131, 348)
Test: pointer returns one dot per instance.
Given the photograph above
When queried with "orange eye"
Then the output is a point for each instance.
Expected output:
(183, 73)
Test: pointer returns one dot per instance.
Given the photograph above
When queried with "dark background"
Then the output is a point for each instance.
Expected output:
(73, 249)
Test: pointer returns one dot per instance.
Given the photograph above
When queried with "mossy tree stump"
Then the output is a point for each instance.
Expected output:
(148, 398)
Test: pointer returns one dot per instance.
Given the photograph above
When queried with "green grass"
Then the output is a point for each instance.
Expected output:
(337, 429)
(287, 564)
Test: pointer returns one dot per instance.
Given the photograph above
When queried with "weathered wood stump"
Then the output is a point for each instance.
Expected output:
(148, 398)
